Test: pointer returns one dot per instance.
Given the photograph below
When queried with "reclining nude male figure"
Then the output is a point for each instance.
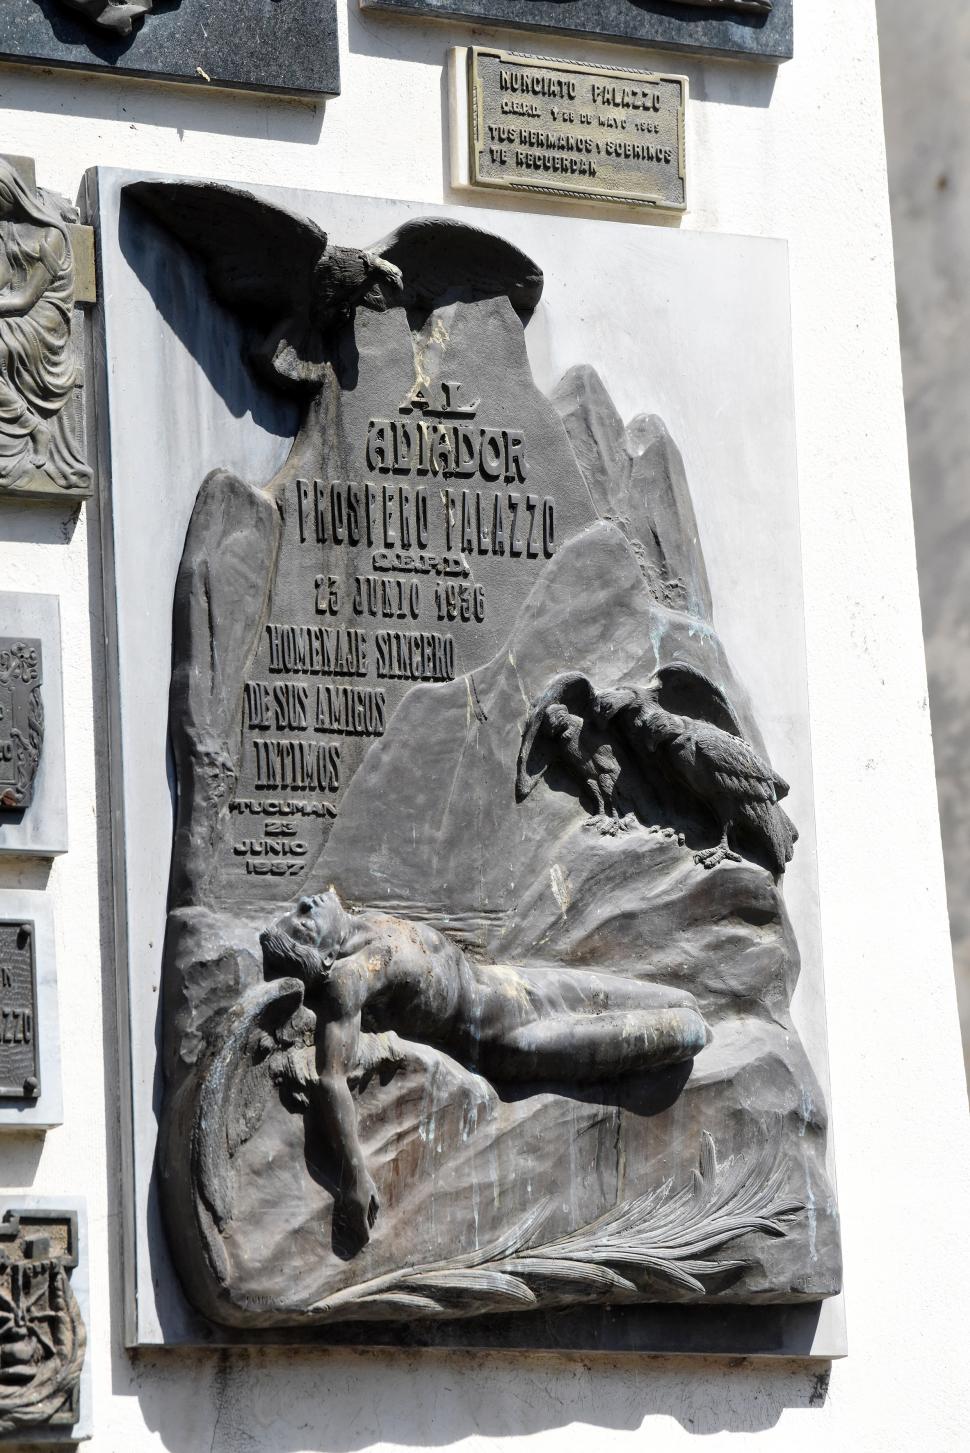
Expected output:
(369, 970)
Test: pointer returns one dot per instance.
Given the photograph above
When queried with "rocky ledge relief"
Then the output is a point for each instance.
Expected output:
(478, 968)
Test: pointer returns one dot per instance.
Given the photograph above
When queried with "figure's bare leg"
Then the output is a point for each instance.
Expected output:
(580, 1048)
(711, 857)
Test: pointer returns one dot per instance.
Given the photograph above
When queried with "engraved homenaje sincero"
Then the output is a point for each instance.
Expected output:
(477, 970)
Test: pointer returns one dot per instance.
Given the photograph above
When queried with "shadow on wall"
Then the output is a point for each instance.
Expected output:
(227, 1402)
(926, 72)
(167, 106)
(405, 38)
(382, 36)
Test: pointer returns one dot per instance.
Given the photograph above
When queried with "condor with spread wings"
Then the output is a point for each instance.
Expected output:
(280, 273)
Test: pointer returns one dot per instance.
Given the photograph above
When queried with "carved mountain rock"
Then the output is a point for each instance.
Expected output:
(636, 478)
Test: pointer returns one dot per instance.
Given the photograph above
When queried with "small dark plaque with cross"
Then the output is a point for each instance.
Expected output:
(19, 1060)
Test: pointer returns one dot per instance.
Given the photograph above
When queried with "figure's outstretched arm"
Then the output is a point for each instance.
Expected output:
(330, 1096)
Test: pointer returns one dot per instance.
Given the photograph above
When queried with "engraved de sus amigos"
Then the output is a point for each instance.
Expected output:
(398, 568)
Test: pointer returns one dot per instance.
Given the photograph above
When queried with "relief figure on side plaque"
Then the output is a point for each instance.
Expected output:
(478, 967)
(39, 371)
(21, 720)
(42, 1334)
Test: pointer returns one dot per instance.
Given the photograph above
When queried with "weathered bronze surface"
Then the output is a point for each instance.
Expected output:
(21, 720)
(588, 132)
(42, 1335)
(19, 1060)
(478, 843)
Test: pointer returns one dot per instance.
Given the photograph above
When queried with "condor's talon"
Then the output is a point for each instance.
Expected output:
(713, 857)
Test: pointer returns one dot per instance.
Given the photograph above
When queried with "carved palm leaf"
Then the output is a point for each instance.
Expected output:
(673, 1236)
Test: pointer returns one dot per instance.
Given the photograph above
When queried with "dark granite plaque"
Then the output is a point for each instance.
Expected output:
(42, 1333)
(749, 29)
(19, 1060)
(249, 45)
(577, 131)
(21, 720)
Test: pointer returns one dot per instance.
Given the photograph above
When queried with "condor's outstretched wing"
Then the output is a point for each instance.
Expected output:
(258, 258)
(574, 691)
(688, 692)
(442, 260)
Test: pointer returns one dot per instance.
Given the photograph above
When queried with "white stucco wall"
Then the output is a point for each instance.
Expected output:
(801, 156)
(926, 69)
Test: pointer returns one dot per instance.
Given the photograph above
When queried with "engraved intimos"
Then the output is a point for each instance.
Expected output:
(580, 131)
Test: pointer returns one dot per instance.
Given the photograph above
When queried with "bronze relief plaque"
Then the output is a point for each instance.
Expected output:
(19, 1061)
(592, 133)
(42, 1332)
(45, 275)
(477, 965)
(21, 720)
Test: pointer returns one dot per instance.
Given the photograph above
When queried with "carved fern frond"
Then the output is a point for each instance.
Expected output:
(666, 1235)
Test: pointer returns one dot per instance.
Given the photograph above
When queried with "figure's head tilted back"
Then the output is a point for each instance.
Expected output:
(306, 942)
